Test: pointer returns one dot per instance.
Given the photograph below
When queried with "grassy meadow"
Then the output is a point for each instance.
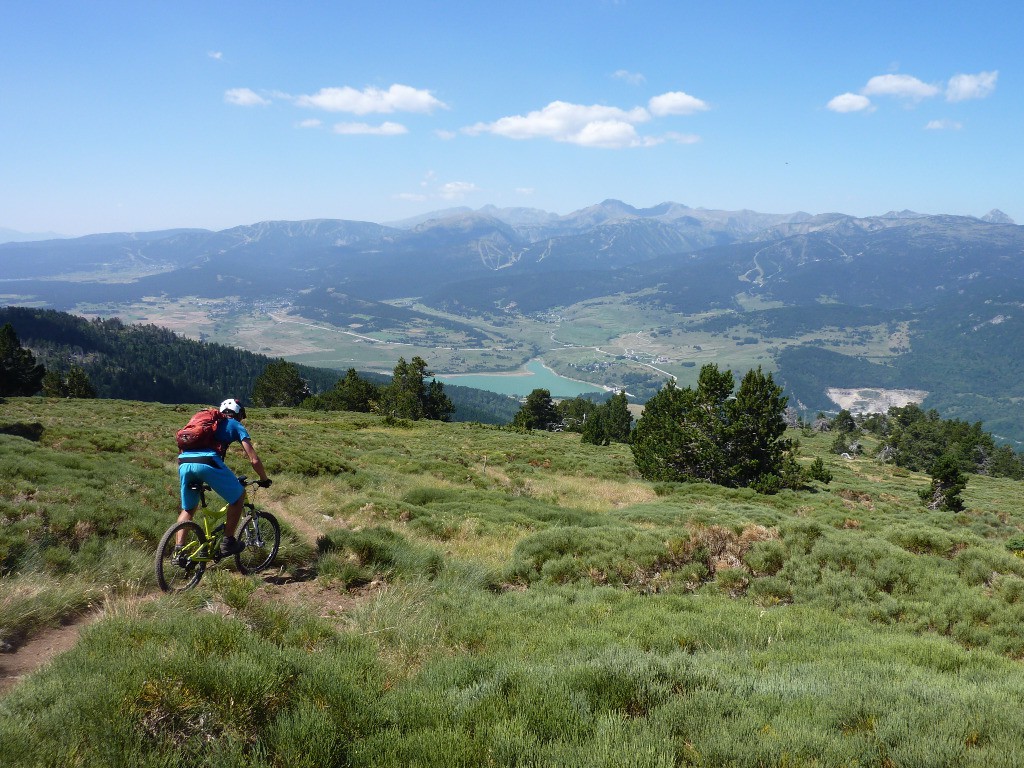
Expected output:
(463, 595)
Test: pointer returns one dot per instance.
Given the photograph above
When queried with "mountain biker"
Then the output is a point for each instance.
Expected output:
(208, 466)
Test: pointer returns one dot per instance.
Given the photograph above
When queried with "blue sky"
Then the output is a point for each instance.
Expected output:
(134, 116)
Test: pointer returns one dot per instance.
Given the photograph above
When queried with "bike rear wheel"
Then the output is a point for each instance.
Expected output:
(178, 573)
(262, 537)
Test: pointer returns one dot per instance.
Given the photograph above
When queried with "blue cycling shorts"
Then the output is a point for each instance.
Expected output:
(220, 478)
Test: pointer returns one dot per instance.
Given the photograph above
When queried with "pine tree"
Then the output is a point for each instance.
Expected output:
(78, 384)
(662, 446)
(20, 375)
(279, 385)
(707, 435)
(756, 427)
(843, 422)
(537, 412)
(53, 384)
(75, 384)
(618, 419)
(610, 422)
(575, 412)
(595, 429)
(408, 396)
(437, 405)
(349, 393)
(401, 398)
(948, 481)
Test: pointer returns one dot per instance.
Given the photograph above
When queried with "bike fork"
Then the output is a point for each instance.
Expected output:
(253, 538)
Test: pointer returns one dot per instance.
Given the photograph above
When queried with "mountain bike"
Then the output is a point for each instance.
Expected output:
(181, 569)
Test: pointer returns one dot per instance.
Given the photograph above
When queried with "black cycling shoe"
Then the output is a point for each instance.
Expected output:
(229, 546)
(179, 558)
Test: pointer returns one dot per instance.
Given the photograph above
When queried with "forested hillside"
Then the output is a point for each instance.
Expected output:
(964, 353)
(143, 362)
(149, 363)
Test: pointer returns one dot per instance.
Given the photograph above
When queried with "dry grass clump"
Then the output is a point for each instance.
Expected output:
(591, 494)
(718, 546)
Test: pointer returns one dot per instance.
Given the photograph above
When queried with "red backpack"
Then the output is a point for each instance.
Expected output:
(200, 434)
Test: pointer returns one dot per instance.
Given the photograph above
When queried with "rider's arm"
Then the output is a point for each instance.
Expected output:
(254, 459)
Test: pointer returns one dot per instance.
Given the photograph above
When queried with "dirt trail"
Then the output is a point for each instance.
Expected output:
(295, 588)
(41, 649)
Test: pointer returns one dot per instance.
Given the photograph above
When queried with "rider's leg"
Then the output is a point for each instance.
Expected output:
(189, 499)
(234, 513)
(184, 517)
(229, 545)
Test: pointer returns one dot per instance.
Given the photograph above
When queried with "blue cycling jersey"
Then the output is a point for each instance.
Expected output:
(216, 474)
(228, 431)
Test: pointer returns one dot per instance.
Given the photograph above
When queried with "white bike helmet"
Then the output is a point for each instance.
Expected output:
(233, 408)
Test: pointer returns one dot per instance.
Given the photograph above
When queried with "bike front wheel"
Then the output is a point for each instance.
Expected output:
(262, 537)
(181, 571)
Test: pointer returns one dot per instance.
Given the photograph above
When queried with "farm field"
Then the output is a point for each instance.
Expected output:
(610, 342)
(453, 594)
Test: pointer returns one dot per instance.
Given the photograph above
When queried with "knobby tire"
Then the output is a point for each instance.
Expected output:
(170, 576)
(258, 554)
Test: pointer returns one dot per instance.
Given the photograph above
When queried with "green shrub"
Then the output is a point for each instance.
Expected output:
(386, 551)
(818, 471)
(767, 484)
(766, 558)
(978, 565)
(604, 555)
(770, 590)
(922, 540)
(1015, 543)
(422, 497)
(733, 581)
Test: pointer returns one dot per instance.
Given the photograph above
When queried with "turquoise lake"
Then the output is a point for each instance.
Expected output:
(531, 376)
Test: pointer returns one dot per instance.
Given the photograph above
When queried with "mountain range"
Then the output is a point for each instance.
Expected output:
(957, 280)
(773, 253)
(14, 236)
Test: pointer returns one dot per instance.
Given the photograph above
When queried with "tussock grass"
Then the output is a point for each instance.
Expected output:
(32, 602)
(519, 600)
(589, 494)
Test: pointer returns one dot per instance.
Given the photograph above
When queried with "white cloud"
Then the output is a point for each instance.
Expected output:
(676, 103)
(217, 55)
(591, 126)
(959, 88)
(849, 102)
(311, 123)
(363, 129)
(963, 87)
(943, 125)
(244, 97)
(456, 190)
(682, 138)
(525, 191)
(452, 190)
(902, 86)
(610, 134)
(397, 98)
(633, 78)
(445, 134)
